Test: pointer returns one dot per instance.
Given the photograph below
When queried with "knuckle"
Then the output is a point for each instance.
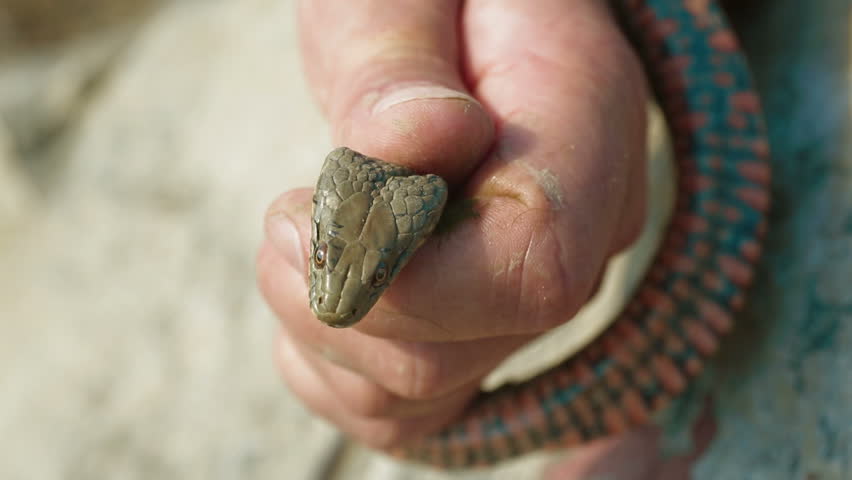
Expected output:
(372, 402)
(420, 375)
(429, 380)
(550, 287)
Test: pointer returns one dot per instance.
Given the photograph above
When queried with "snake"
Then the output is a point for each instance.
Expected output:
(370, 216)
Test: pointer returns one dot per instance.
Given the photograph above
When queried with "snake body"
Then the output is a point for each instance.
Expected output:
(686, 301)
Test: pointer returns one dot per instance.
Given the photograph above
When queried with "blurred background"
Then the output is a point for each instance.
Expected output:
(140, 142)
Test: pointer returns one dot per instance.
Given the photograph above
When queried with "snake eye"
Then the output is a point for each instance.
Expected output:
(380, 276)
(320, 255)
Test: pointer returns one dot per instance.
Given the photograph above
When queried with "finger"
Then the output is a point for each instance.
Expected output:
(315, 393)
(555, 197)
(395, 91)
(703, 432)
(588, 104)
(365, 398)
(411, 370)
(632, 456)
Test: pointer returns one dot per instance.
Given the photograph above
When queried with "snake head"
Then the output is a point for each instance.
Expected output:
(368, 218)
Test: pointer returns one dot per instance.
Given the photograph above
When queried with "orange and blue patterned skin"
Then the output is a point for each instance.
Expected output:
(697, 282)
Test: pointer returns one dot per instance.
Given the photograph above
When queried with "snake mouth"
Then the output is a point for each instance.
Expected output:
(338, 320)
(326, 311)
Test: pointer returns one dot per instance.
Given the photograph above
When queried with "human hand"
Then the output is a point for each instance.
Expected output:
(553, 151)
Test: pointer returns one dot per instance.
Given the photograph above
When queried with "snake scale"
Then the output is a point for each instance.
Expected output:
(370, 216)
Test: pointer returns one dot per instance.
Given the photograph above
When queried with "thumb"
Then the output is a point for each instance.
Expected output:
(387, 75)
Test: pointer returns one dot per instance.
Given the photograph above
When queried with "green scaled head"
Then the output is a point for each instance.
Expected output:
(369, 217)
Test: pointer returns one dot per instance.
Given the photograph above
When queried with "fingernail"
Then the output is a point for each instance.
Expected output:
(284, 236)
(419, 92)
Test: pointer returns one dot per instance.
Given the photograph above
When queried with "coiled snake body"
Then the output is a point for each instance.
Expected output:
(370, 216)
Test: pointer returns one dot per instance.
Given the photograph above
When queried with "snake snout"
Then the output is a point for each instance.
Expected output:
(330, 310)
(338, 320)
